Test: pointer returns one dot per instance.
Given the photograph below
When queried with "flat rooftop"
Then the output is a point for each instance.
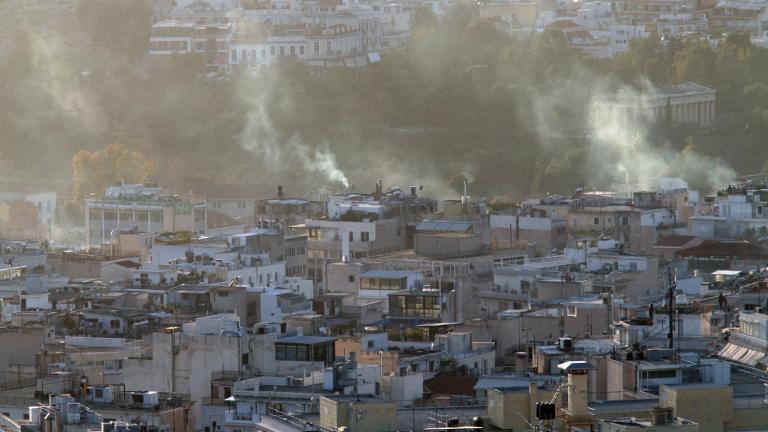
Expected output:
(305, 340)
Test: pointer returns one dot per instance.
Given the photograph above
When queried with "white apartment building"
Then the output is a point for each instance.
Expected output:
(143, 208)
(319, 46)
(622, 35)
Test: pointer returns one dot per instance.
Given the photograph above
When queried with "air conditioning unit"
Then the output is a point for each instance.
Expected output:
(101, 394)
(147, 399)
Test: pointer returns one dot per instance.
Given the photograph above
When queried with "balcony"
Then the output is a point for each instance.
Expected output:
(535, 263)
(235, 418)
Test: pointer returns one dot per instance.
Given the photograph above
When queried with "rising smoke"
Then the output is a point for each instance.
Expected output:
(622, 147)
(438, 141)
(277, 151)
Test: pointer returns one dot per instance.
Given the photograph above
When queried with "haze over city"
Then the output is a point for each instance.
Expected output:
(383, 215)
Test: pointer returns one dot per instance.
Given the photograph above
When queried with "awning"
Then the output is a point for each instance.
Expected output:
(741, 354)
(374, 57)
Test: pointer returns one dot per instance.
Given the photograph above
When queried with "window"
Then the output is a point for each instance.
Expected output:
(272, 50)
(381, 284)
(317, 47)
(364, 236)
(525, 287)
(293, 51)
(282, 51)
(328, 47)
(351, 278)
(351, 236)
(301, 50)
(597, 221)
(669, 373)
(370, 344)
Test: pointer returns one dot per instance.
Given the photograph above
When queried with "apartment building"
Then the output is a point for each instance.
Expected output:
(209, 41)
(140, 207)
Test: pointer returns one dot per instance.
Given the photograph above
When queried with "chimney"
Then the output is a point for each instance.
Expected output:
(521, 363)
(661, 416)
(578, 388)
(344, 246)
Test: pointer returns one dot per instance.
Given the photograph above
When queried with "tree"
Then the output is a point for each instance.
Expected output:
(94, 171)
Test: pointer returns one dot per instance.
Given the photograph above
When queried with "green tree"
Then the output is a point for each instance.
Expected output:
(118, 27)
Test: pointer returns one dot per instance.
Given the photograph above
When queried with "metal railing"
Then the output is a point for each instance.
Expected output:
(295, 421)
(543, 262)
(8, 425)
(18, 383)
(622, 406)
(751, 401)
(17, 401)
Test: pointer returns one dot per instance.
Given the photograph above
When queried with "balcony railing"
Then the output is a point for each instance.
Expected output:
(242, 418)
(8, 425)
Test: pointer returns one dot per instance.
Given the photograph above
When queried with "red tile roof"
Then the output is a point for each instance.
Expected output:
(563, 24)
(128, 264)
(673, 240)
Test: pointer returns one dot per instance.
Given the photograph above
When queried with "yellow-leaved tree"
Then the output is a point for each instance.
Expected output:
(94, 171)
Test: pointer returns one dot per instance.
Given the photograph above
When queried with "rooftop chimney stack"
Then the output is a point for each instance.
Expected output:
(661, 416)
(344, 246)
(577, 414)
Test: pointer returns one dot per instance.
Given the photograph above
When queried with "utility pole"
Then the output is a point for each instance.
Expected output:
(671, 310)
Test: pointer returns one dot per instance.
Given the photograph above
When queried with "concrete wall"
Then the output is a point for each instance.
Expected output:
(379, 416)
(448, 245)
(514, 410)
(709, 405)
(547, 290)
(580, 321)
(189, 371)
(26, 344)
